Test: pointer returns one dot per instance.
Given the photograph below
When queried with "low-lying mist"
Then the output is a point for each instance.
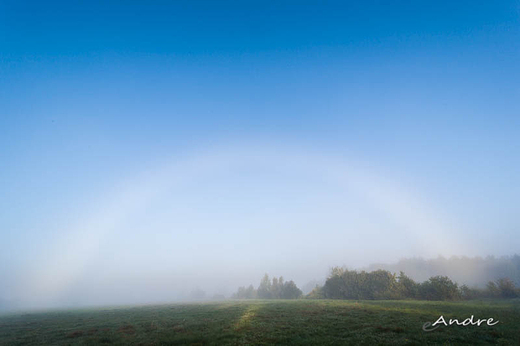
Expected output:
(200, 227)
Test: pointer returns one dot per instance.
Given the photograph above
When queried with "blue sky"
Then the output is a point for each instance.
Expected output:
(98, 99)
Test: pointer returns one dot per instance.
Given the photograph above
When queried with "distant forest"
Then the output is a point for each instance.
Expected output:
(470, 271)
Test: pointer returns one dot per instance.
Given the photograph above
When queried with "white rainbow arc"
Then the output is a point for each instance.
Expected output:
(72, 253)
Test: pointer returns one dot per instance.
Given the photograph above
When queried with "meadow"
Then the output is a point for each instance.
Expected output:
(266, 322)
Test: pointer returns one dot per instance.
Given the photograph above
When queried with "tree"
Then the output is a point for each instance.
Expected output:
(406, 286)
(290, 291)
(492, 289)
(439, 288)
(276, 289)
(468, 293)
(506, 288)
(245, 293)
(350, 284)
(264, 289)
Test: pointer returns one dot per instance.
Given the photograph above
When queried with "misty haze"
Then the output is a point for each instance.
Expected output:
(216, 221)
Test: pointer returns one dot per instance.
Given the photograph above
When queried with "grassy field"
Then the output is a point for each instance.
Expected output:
(316, 322)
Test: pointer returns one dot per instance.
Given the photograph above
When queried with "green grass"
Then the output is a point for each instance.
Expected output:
(299, 322)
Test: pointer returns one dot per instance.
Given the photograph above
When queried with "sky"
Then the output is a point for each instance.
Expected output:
(151, 148)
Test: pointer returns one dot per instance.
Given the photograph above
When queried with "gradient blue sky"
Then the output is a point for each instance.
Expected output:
(424, 96)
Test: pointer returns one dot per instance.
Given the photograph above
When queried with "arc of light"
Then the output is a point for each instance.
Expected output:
(73, 252)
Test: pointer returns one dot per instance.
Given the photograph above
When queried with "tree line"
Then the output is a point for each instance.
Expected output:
(382, 284)
(378, 284)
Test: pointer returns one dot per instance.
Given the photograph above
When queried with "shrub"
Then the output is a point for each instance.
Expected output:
(349, 284)
(439, 288)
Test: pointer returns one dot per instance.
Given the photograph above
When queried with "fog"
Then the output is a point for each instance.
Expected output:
(150, 151)
(217, 219)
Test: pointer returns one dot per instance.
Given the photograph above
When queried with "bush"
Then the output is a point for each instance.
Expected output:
(439, 288)
(349, 284)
